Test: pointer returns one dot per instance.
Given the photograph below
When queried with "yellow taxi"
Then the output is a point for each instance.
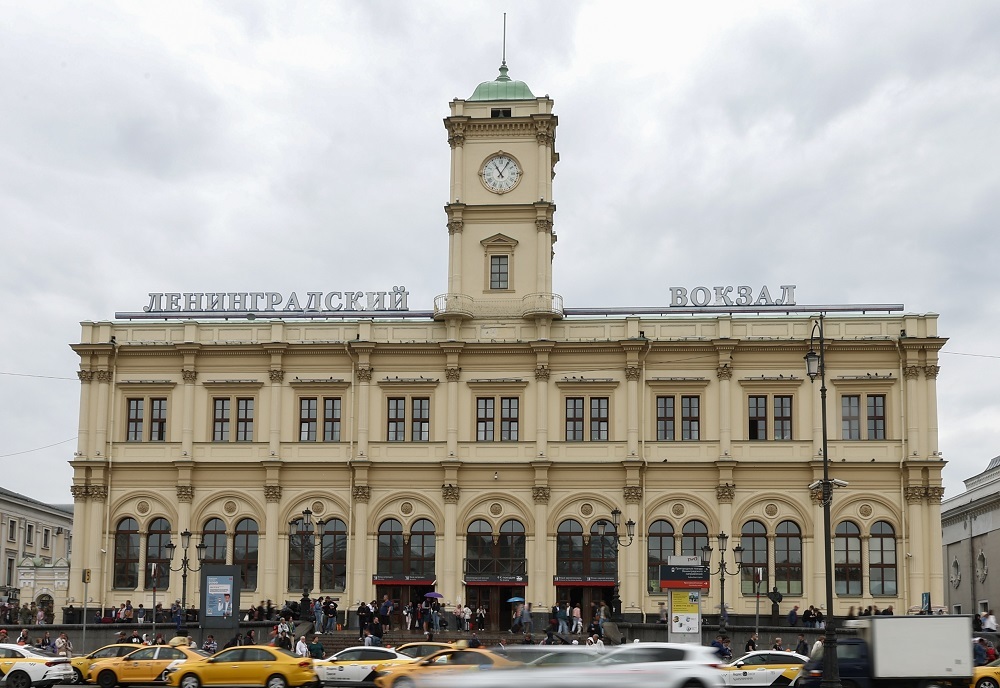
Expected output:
(443, 663)
(987, 676)
(423, 648)
(81, 665)
(763, 668)
(246, 665)
(26, 666)
(356, 665)
(146, 665)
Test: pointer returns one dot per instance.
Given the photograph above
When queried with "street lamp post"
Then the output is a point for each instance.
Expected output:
(706, 560)
(305, 532)
(185, 565)
(816, 366)
(602, 526)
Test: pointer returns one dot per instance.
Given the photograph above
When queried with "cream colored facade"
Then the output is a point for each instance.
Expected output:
(501, 333)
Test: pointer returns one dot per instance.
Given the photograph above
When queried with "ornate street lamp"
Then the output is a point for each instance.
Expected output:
(305, 527)
(617, 542)
(816, 366)
(201, 549)
(706, 560)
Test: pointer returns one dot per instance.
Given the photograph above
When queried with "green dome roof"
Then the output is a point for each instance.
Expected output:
(502, 88)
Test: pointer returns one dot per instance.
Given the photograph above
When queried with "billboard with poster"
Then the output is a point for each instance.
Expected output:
(220, 597)
(685, 611)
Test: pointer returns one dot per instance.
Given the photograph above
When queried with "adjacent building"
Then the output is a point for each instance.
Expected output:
(484, 448)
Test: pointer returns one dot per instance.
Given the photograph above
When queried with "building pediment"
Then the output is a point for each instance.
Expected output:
(499, 241)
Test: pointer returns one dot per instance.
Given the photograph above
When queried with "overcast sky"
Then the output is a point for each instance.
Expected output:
(850, 148)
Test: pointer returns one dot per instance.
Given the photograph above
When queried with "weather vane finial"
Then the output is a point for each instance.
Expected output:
(503, 52)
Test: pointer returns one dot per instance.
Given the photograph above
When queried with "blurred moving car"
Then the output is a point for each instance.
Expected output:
(247, 665)
(987, 676)
(458, 661)
(81, 665)
(25, 666)
(145, 666)
(423, 648)
(357, 665)
(764, 668)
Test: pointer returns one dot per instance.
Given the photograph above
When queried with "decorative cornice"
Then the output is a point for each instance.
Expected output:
(85, 375)
(185, 493)
(935, 494)
(542, 372)
(97, 491)
(272, 493)
(632, 494)
(276, 375)
(189, 375)
(725, 493)
(452, 373)
(365, 373)
(915, 493)
(103, 375)
(450, 493)
(541, 494)
(632, 373)
(79, 492)
(362, 493)
(724, 372)
(932, 371)
(911, 372)
(455, 226)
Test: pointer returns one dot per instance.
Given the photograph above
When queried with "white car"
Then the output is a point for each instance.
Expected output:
(24, 667)
(764, 668)
(356, 665)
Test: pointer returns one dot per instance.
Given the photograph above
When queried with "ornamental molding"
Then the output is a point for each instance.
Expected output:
(915, 493)
(956, 573)
(365, 373)
(632, 373)
(724, 372)
(455, 226)
(276, 375)
(85, 375)
(79, 492)
(97, 491)
(456, 133)
(935, 494)
(932, 371)
(450, 493)
(185, 493)
(362, 493)
(541, 494)
(816, 496)
(543, 225)
(452, 373)
(542, 372)
(632, 494)
(272, 493)
(189, 375)
(911, 372)
(103, 375)
(982, 568)
(725, 493)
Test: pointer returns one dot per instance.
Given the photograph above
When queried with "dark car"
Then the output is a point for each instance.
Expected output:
(852, 659)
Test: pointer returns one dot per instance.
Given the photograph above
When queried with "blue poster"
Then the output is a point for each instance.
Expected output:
(219, 596)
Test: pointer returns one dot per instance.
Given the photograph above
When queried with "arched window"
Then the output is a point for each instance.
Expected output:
(214, 537)
(788, 558)
(659, 546)
(506, 556)
(602, 559)
(423, 542)
(127, 554)
(479, 547)
(333, 566)
(156, 553)
(300, 556)
(694, 536)
(847, 559)
(753, 538)
(390, 547)
(245, 552)
(511, 548)
(882, 559)
(569, 549)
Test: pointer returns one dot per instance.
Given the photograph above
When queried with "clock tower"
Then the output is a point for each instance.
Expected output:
(500, 205)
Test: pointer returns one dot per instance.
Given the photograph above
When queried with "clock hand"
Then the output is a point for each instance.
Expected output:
(499, 171)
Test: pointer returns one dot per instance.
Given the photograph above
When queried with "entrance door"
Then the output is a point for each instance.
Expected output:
(494, 598)
(588, 597)
(400, 595)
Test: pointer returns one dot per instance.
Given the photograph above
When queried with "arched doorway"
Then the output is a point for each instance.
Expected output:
(495, 569)
(46, 604)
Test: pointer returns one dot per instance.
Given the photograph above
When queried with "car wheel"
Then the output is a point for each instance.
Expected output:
(18, 679)
(77, 677)
(403, 682)
(988, 682)
(277, 681)
(190, 681)
(107, 679)
(693, 683)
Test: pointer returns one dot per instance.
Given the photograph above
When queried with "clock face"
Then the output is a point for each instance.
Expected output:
(501, 173)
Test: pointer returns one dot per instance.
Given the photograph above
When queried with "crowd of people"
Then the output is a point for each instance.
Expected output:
(59, 645)
(11, 614)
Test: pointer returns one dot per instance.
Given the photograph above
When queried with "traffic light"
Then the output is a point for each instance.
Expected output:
(86, 575)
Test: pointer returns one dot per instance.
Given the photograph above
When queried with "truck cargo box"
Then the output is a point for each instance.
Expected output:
(918, 647)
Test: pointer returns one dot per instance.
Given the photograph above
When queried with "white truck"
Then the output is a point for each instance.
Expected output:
(897, 651)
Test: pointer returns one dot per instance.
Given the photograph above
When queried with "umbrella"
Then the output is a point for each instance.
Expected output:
(516, 599)
(434, 594)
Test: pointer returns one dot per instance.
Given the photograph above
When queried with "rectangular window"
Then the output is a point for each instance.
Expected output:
(244, 420)
(496, 113)
(12, 530)
(690, 418)
(850, 406)
(220, 419)
(421, 420)
(46, 538)
(29, 534)
(574, 419)
(9, 575)
(599, 419)
(157, 420)
(782, 417)
(308, 419)
(498, 272)
(757, 417)
(484, 419)
(396, 428)
(135, 415)
(665, 419)
(331, 419)
(876, 416)
(509, 418)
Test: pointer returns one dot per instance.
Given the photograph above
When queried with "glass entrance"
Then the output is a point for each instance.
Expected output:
(494, 599)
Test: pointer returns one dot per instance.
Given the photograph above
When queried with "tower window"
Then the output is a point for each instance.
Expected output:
(499, 272)
(496, 113)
